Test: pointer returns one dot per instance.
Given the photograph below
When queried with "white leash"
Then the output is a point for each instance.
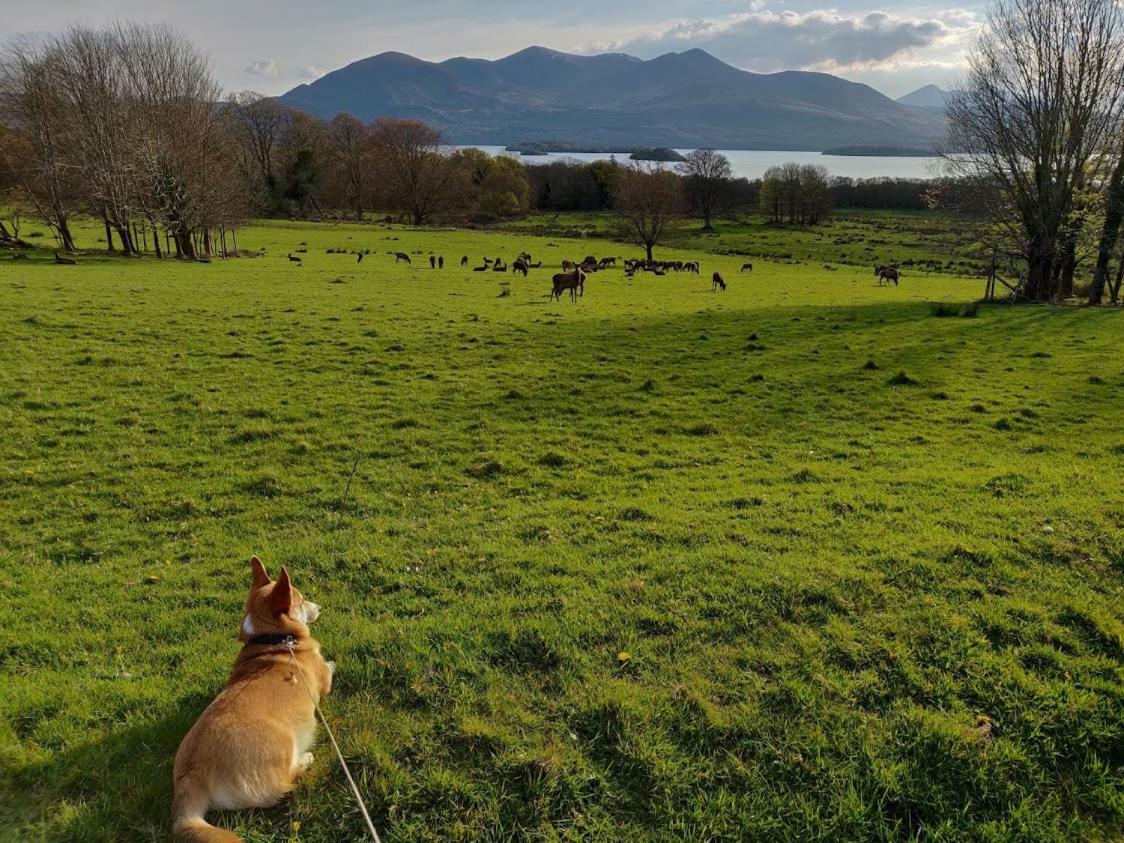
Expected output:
(293, 663)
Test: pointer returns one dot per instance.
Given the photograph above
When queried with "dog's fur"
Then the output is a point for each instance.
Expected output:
(253, 740)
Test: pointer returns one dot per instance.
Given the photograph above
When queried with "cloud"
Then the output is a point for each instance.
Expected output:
(765, 40)
(263, 67)
(311, 71)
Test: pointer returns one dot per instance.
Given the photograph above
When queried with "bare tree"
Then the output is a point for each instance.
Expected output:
(349, 147)
(1042, 94)
(414, 165)
(261, 124)
(708, 175)
(35, 151)
(648, 202)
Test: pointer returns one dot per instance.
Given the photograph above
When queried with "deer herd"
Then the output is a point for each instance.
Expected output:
(573, 275)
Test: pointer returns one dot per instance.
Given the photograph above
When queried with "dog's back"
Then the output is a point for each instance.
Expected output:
(252, 741)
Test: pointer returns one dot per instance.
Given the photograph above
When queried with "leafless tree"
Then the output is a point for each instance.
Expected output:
(349, 150)
(34, 151)
(707, 174)
(261, 123)
(414, 164)
(648, 202)
(1033, 117)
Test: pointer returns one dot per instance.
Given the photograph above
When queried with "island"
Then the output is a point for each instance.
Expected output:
(881, 151)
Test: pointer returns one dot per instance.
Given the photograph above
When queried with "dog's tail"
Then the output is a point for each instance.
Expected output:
(188, 819)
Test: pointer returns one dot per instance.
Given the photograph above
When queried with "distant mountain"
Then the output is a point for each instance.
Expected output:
(929, 96)
(685, 100)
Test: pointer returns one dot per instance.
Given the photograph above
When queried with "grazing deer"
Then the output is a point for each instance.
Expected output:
(692, 266)
(716, 281)
(572, 281)
(747, 267)
(886, 273)
(464, 261)
(294, 259)
(519, 266)
(401, 256)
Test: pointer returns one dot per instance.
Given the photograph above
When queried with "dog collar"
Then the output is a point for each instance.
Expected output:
(271, 639)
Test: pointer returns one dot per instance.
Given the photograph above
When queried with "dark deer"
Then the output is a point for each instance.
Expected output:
(717, 282)
(519, 266)
(886, 273)
(294, 259)
(747, 267)
(464, 261)
(572, 281)
(401, 256)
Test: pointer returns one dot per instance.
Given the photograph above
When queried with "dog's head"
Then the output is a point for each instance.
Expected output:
(275, 605)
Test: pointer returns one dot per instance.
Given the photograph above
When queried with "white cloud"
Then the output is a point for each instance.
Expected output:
(311, 71)
(263, 67)
(765, 40)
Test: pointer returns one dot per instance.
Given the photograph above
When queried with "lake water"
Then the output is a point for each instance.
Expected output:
(752, 164)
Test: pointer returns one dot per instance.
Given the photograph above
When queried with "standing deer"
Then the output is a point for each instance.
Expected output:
(572, 281)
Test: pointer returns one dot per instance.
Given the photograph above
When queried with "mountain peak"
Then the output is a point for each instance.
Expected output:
(927, 96)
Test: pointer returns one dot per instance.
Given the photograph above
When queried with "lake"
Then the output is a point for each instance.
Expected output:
(752, 163)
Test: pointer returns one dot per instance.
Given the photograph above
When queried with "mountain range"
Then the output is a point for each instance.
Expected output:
(686, 100)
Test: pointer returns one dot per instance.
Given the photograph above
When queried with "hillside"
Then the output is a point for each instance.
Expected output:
(687, 99)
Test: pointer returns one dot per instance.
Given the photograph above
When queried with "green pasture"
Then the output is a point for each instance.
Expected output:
(797, 561)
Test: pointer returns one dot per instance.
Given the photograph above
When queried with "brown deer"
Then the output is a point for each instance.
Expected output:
(747, 267)
(716, 281)
(572, 281)
(885, 273)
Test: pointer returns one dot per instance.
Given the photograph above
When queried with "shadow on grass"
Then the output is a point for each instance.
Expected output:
(116, 788)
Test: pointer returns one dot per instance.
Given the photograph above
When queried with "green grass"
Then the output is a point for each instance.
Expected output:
(665, 564)
(930, 241)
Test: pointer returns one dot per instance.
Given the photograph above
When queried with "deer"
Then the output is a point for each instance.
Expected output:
(885, 273)
(399, 257)
(716, 282)
(294, 259)
(747, 267)
(572, 281)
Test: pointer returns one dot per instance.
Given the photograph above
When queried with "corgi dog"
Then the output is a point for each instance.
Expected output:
(253, 740)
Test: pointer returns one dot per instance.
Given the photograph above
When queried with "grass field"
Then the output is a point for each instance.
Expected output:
(664, 564)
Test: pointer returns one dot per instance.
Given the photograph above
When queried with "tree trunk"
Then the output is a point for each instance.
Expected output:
(66, 239)
(108, 237)
(1068, 264)
(649, 246)
(1110, 230)
(234, 239)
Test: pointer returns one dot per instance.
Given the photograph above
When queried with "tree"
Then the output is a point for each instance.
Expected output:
(414, 166)
(1036, 111)
(802, 193)
(260, 124)
(35, 151)
(708, 175)
(349, 149)
(648, 202)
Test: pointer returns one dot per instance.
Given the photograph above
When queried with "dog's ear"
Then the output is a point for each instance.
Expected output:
(281, 598)
(258, 575)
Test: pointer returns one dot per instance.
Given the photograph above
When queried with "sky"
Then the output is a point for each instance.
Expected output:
(271, 46)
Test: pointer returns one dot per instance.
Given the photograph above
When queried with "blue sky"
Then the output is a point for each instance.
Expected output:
(272, 45)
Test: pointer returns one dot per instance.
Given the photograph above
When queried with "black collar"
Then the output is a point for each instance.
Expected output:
(271, 639)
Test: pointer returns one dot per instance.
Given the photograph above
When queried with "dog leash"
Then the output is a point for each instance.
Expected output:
(294, 668)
